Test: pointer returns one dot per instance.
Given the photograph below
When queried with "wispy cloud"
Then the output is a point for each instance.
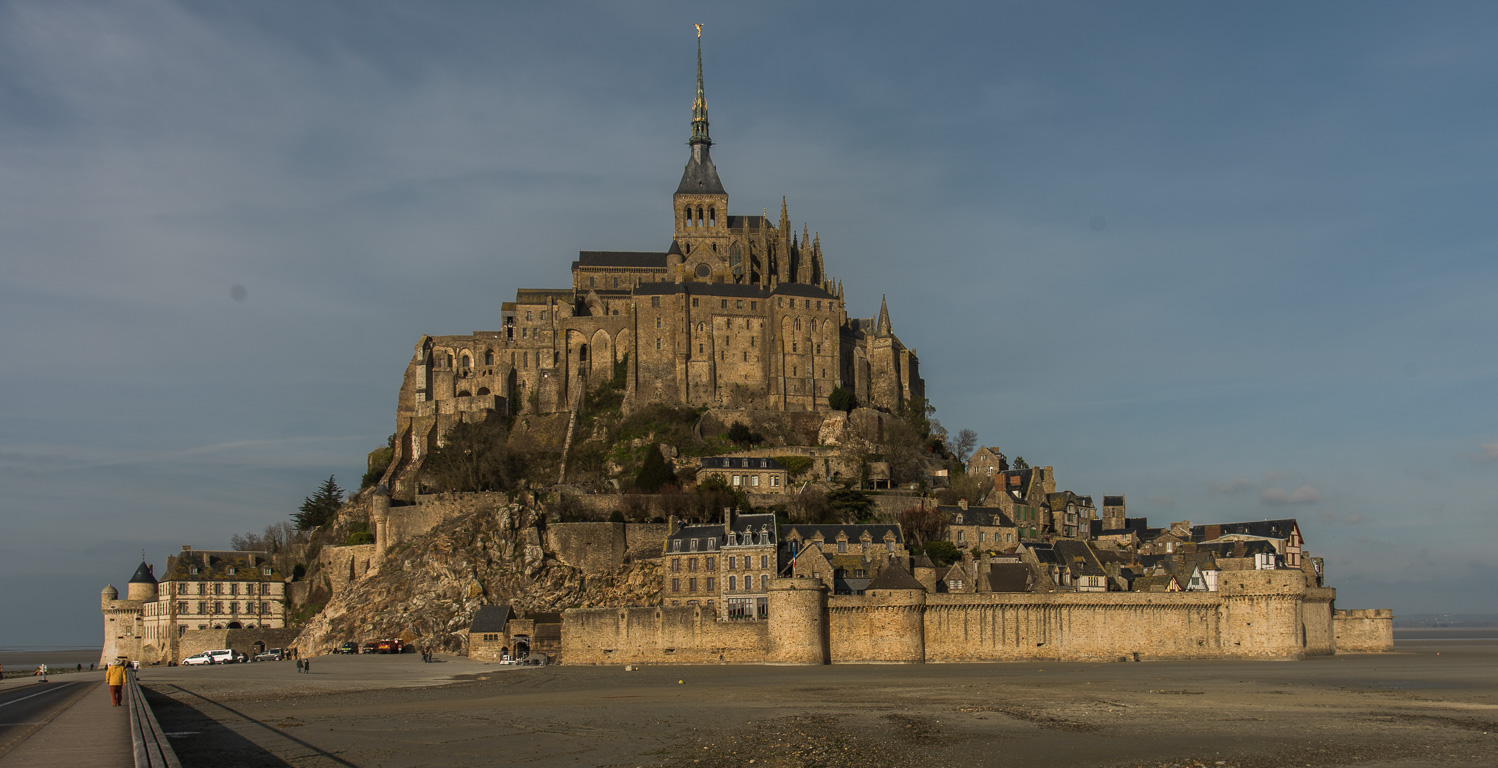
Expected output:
(1488, 452)
(1306, 494)
(1233, 488)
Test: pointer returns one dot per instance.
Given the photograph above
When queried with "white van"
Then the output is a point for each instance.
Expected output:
(222, 656)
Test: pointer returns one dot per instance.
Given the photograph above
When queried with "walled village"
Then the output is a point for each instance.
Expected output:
(698, 456)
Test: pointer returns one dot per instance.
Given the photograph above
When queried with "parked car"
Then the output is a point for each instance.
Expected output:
(196, 659)
(388, 646)
(223, 656)
(370, 647)
(348, 647)
(274, 654)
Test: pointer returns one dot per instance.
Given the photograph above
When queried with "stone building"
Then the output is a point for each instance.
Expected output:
(987, 461)
(738, 311)
(726, 567)
(844, 558)
(202, 590)
(758, 474)
(986, 528)
(497, 633)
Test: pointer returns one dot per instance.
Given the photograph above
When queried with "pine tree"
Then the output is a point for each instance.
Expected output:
(320, 507)
(654, 473)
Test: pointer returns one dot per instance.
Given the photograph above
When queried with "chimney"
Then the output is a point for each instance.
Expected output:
(727, 520)
(671, 525)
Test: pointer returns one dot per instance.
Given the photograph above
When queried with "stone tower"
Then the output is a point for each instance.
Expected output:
(142, 584)
(701, 203)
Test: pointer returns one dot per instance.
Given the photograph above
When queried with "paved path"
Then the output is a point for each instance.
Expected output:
(74, 726)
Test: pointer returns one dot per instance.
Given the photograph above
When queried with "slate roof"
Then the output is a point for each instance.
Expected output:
(748, 222)
(1009, 577)
(1272, 529)
(802, 289)
(700, 177)
(894, 576)
(632, 259)
(248, 566)
(975, 516)
(714, 533)
(143, 575)
(1238, 548)
(740, 462)
(490, 618)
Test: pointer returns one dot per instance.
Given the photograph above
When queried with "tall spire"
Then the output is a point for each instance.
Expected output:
(882, 326)
(699, 104)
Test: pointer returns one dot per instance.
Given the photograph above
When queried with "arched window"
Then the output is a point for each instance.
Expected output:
(687, 215)
(699, 215)
(467, 361)
(488, 357)
(712, 217)
(798, 323)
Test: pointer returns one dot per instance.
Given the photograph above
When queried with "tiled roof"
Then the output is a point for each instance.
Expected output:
(1009, 577)
(1274, 529)
(975, 516)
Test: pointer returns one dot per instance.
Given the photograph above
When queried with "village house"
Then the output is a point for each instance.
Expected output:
(726, 566)
(984, 528)
(757, 474)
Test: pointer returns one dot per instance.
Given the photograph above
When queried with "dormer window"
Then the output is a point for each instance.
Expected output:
(693, 546)
(233, 570)
(676, 545)
(192, 569)
(265, 571)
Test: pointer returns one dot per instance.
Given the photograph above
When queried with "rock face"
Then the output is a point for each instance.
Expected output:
(428, 589)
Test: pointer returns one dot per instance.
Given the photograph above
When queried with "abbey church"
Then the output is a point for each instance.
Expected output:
(737, 312)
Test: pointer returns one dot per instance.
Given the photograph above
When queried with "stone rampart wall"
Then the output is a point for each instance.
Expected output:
(1364, 631)
(600, 548)
(344, 565)
(1260, 615)
(431, 510)
(666, 635)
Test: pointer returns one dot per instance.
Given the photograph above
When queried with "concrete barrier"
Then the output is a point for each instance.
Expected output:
(151, 747)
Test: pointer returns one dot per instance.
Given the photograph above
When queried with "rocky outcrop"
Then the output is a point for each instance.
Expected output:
(427, 590)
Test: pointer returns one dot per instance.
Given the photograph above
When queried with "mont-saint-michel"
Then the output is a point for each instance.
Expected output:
(696, 455)
(692, 505)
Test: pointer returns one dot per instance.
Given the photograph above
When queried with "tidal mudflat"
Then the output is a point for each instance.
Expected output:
(1433, 702)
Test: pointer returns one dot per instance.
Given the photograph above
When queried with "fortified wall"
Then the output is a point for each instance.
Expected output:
(1255, 614)
(1364, 631)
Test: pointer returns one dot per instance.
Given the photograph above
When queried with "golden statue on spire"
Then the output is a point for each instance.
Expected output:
(699, 30)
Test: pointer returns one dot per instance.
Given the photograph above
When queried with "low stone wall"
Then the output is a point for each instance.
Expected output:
(599, 549)
(246, 641)
(666, 635)
(431, 510)
(1364, 631)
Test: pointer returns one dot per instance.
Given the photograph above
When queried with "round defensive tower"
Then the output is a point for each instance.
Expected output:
(897, 604)
(108, 595)
(798, 622)
(142, 585)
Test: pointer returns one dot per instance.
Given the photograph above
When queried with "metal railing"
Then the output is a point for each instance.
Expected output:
(151, 747)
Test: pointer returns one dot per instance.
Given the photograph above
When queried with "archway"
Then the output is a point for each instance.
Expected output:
(235, 625)
(522, 646)
(259, 647)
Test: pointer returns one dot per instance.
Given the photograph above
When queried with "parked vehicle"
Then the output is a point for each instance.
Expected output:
(388, 646)
(370, 647)
(348, 647)
(274, 654)
(223, 656)
(196, 659)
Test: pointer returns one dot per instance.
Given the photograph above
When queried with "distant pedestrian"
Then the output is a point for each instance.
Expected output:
(299, 666)
(80, 667)
(91, 666)
(114, 677)
(307, 666)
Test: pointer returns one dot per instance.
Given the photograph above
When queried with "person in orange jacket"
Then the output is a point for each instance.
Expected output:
(114, 677)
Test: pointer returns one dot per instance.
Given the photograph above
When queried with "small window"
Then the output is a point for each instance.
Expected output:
(739, 304)
(711, 563)
(691, 585)
(692, 547)
(657, 323)
(655, 301)
(676, 585)
(694, 301)
(754, 305)
(754, 481)
(528, 312)
(764, 560)
(676, 562)
(676, 545)
(723, 303)
(657, 343)
(710, 583)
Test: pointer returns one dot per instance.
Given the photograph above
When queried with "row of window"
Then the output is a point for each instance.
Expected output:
(734, 584)
(218, 588)
(753, 481)
(983, 537)
(730, 562)
(205, 608)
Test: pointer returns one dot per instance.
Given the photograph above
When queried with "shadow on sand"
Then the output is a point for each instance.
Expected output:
(204, 732)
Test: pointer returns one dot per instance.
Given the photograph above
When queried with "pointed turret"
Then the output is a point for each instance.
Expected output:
(700, 177)
(819, 275)
(882, 327)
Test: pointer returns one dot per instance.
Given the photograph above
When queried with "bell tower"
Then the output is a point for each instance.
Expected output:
(700, 201)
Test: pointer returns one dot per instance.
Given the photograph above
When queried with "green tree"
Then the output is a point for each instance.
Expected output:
(741, 434)
(320, 507)
(849, 504)
(1020, 463)
(655, 472)
(942, 553)
(842, 400)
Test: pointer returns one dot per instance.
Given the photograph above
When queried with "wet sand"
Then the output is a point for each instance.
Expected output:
(1434, 702)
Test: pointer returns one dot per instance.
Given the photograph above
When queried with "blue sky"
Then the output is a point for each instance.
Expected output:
(1234, 261)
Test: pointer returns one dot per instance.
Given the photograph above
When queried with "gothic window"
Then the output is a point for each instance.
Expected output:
(699, 215)
(702, 271)
(687, 215)
(467, 361)
(712, 217)
(736, 262)
(700, 327)
(798, 323)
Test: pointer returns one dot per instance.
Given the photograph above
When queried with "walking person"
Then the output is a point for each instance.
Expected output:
(114, 677)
